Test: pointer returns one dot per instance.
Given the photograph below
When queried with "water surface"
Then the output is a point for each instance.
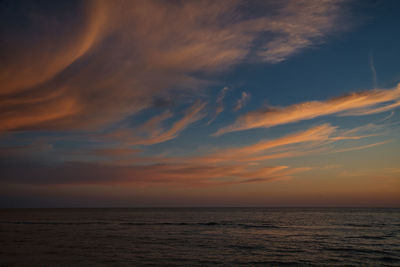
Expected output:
(200, 236)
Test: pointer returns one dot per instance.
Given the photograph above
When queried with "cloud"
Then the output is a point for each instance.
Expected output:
(388, 116)
(393, 170)
(373, 70)
(331, 167)
(103, 174)
(112, 59)
(368, 111)
(31, 58)
(362, 147)
(115, 152)
(317, 133)
(236, 165)
(27, 150)
(317, 139)
(152, 131)
(220, 99)
(219, 104)
(360, 103)
(242, 101)
(299, 24)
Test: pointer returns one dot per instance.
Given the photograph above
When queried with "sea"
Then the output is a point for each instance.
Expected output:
(200, 237)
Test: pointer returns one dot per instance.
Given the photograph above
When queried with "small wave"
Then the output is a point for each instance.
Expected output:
(134, 223)
(390, 259)
(175, 223)
(210, 223)
(161, 223)
(257, 225)
(368, 237)
(178, 223)
(247, 247)
(243, 225)
(364, 225)
(273, 263)
(56, 223)
(358, 250)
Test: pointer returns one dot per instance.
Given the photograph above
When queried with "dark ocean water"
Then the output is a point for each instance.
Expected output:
(198, 237)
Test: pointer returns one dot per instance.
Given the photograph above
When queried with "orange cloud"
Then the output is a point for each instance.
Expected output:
(354, 102)
(153, 131)
(317, 139)
(115, 151)
(112, 59)
(37, 112)
(183, 174)
(362, 147)
(56, 48)
(246, 164)
(318, 133)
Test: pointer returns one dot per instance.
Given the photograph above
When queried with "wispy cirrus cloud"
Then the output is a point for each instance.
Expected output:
(301, 23)
(219, 104)
(235, 165)
(115, 151)
(305, 142)
(360, 103)
(172, 174)
(242, 101)
(71, 77)
(362, 147)
(53, 46)
(153, 132)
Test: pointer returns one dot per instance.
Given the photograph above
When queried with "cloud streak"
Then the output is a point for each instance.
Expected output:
(300, 24)
(309, 141)
(242, 101)
(173, 174)
(362, 147)
(360, 103)
(152, 131)
(219, 104)
(373, 70)
(229, 166)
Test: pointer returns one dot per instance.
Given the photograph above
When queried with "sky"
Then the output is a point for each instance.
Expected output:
(199, 103)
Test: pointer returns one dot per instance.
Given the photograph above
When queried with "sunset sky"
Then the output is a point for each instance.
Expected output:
(199, 103)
